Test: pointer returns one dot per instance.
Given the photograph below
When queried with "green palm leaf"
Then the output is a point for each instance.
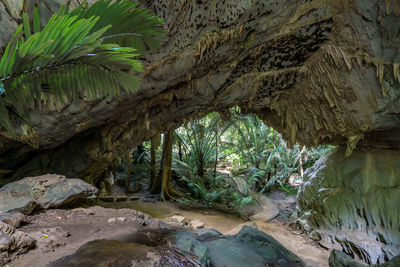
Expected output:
(132, 26)
(72, 56)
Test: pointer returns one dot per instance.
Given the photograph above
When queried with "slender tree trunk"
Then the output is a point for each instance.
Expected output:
(162, 182)
(216, 154)
(301, 162)
(155, 143)
(152, 164)
(128, 172)
(180, 152)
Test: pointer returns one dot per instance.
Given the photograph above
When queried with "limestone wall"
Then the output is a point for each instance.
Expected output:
(354, 202)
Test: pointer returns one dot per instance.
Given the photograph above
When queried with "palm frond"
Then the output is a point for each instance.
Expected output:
(72, 57)
(132, 26)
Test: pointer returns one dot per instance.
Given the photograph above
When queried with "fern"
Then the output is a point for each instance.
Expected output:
(290, 191)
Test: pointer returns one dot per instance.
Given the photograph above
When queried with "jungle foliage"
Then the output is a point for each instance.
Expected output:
(225, 161)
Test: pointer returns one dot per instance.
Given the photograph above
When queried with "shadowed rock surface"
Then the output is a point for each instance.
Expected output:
(213, 248)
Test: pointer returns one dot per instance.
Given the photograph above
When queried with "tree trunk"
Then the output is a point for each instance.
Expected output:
(128, 166)
(155, 143)
(180, 152)
(162, 182)
(216, 154)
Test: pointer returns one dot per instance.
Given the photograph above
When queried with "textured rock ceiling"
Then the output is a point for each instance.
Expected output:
(321, 71)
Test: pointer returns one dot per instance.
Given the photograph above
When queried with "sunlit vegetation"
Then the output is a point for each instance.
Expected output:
(225, 161)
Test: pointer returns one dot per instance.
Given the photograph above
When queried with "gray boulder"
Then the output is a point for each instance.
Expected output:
(14, 218)
(13, 243)
(44, 192)
(249, 246)
(187, 242)
(341, 259)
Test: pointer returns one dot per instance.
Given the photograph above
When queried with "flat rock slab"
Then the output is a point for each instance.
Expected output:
(269, 210)
(44, 192)
(249, 247)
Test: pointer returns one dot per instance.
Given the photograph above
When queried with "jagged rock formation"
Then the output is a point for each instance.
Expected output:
(13, 243)
(353, 202)
(318, 71)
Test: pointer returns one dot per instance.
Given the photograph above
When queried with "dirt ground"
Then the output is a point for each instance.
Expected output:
(63, 232)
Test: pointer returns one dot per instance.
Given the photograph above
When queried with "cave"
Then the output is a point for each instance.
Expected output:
(319, 72)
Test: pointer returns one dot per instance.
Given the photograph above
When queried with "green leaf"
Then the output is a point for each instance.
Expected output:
(72, 55)
(27, 27)
(36, 21)
(132, 26)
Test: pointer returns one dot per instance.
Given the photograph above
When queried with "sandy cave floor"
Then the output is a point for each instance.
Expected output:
(62, 232)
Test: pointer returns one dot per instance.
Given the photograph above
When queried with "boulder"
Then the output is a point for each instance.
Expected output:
(178, 218)
(13, 243)
(236, 250)
(269, 210)
(186, 242)
(341, 259)
(176, 221)
(205, 233)
(238, 228)
(196, 224)
(44, 192)
(14, 218)
(352, 202)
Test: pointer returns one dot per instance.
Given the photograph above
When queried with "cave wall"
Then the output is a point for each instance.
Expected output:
(353, 202)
